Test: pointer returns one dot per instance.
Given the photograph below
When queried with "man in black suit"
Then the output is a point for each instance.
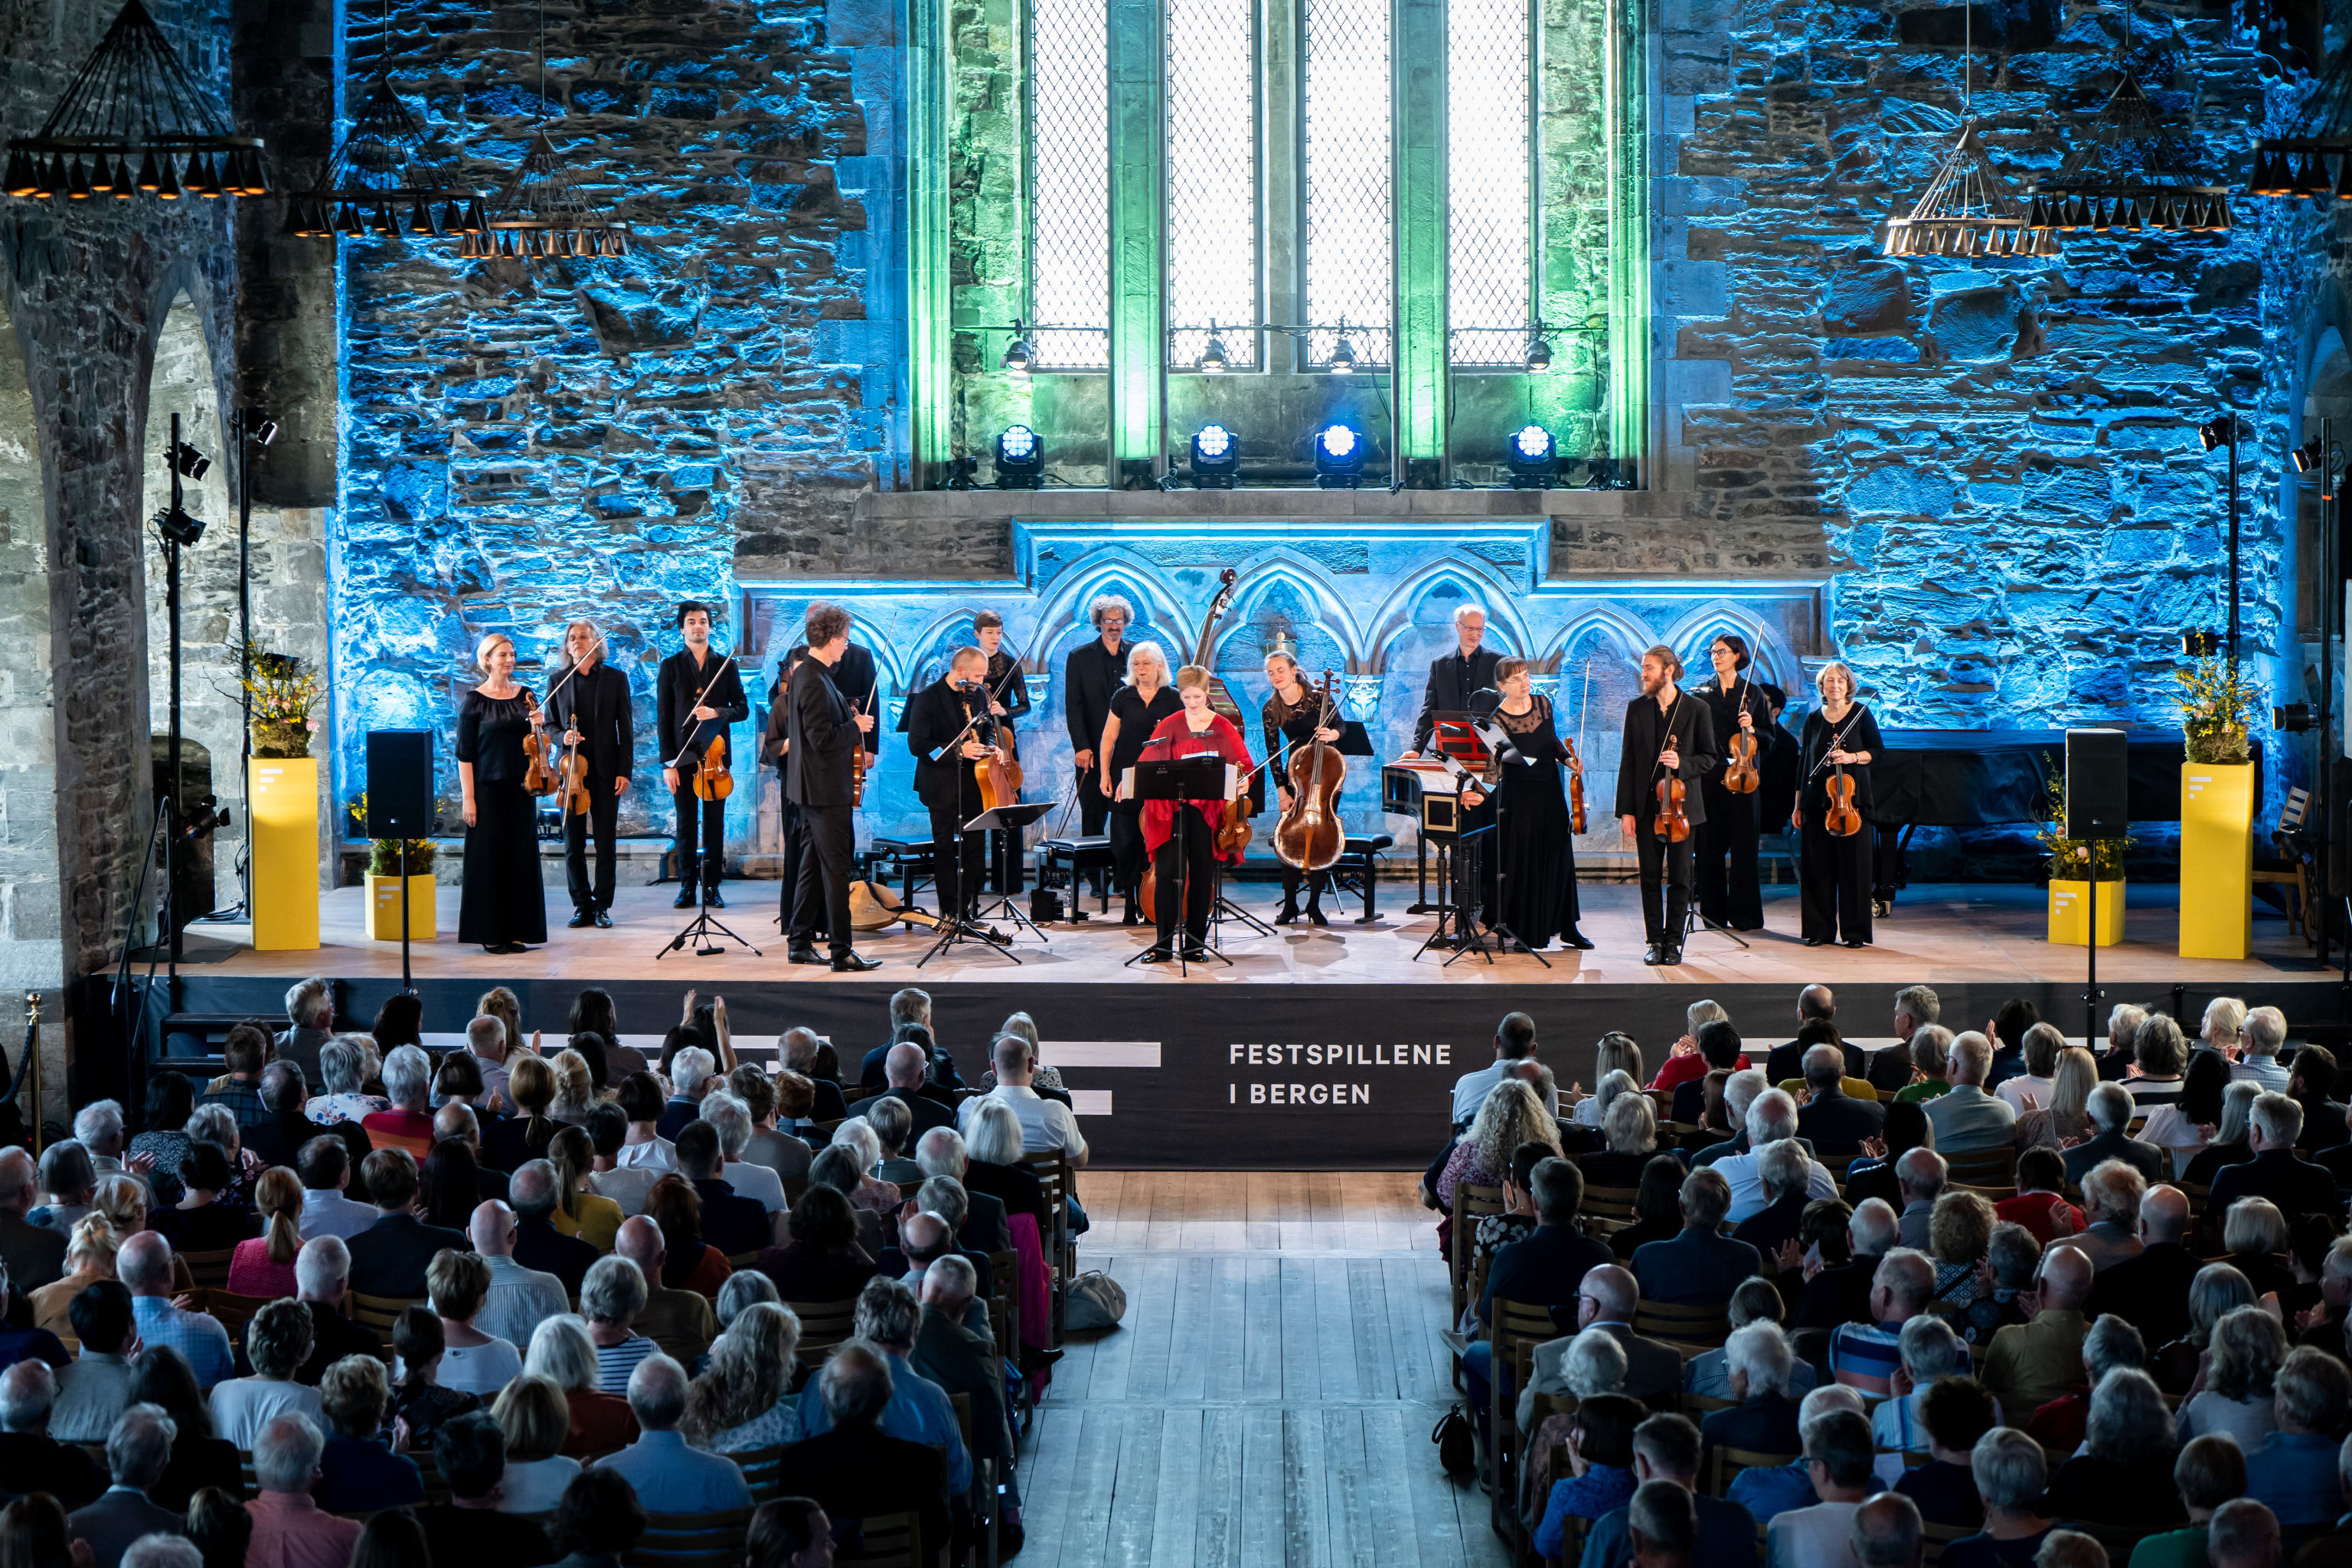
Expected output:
(2311, 1082)
(1702, 1267)
(456, 1122)
(1545, 1270)
(1089, 676)
(854, 1472)
(280, 1140)
(819, 769)
(940, 1155)
(700, 694)
(1664, 736)
(2296, 1184)
(1815, 1004)
(2151, 1292)
(537, 1244)
(591, 711)
(1835, 1121)
(30, 1460)
(855, 678)
(389, 1258)
(1915, 1006)
(946, 741)
(903, 1069)
(1456, 677)
(732, 1224)
(1008, 699)
(2110, 1110)
(137, 1450)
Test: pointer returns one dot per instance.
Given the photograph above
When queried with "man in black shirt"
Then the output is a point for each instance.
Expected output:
(821, 732)
(1664, 735)
(700, 696)
(1089, 676)
(946, 743)
(591, 711)
(1456, 676)
(1008, 699)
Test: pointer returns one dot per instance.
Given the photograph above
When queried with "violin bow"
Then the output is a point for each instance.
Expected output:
(683, 746)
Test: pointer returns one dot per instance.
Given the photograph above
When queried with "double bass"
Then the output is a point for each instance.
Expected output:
(1232, 829)
(1309, 835)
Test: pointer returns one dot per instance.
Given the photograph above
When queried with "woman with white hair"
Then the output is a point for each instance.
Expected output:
(1684, 1064)
(503, 905)
(992, 1149)
(873, 1194)
(561, 1353)
(2231, 1144)
(1631, 1127)
(1136, 708)
(344, 1069)
(2253, 1234)
(1757, 1363)
(2124, 1474)
(2247, 1347)
(408, 1083)
(2223, 1027)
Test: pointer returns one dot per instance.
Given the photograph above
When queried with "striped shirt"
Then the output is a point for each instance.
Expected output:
(1863, 1356)
(615, 1363)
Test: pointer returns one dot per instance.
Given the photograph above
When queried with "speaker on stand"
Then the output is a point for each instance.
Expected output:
(400, 805)
(2098, 810)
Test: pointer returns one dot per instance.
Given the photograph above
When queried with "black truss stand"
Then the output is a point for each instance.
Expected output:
(1015, 820)
(1177, 781)
(955, 933)
(705, 934)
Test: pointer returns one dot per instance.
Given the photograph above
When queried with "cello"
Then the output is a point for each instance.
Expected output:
(1232, 831)
(1309, 835)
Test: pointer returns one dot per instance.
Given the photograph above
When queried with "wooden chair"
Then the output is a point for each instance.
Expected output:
(379, 1313)
(692, 1540)
(1052, 1170)
(1691, 1330)
(825, 1325)
(1004, 1304)
(1938, 1536)
(1984, 1168)
(209, 1270)
(982, 1497)
(233, 1310)
(885, 1541)
(1699, 1406)
(1725, 1464)
(2119, 1538)
(1514, 1331)
(1912, 1458)
(1472, 1202)
(741, 1260)
(763, 1471)
(1613, 1206)
(2283, 870)
(1572, 1540)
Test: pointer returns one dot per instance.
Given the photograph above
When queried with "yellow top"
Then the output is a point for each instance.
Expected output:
(598, 1223)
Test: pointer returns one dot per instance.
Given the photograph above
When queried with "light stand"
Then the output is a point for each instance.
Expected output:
(252, 440)
(178, 531)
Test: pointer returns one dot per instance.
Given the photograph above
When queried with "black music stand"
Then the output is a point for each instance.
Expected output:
(1497, 932)
(1177, 781)
(1448, 930)
(955, 931)
(706, 933)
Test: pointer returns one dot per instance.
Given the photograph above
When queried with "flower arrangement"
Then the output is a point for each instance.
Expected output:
(2217, 702)
(392, 857)
(285, 691)
(2069, 857)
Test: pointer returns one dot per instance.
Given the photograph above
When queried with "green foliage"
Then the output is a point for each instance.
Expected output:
(2217, 702)
(386, 855)
(2069, 857)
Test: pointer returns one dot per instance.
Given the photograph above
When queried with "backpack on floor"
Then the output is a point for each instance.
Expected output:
(1092, 1301)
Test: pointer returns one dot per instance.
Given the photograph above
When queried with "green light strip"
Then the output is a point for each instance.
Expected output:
(930, 320)
(1629, 237)
(1419, 51)
(1137, 211)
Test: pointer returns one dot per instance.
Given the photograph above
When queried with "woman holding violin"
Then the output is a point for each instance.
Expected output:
(1183, 852)
(1834, 835)
(1294, 716)
(502, 752)
(1532, 873)
(1139, 707)
(1742, 713)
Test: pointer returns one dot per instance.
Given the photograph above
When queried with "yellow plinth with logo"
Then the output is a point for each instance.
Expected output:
(285, 852)
(383, 908)
(2217, 859)
(2070, 912)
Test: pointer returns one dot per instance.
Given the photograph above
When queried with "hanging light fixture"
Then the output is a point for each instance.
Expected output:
(2293, 164)
(2128, 173)
(542, 213)
(1968, 208)
(133, 104)
(380, 175)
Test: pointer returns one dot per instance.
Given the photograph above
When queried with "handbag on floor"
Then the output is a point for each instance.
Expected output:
(1093, 1300)
(1457, 1448)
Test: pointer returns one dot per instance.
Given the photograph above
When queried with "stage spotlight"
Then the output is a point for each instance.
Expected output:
(1213, 361)
(2306, 457)
(1533, 464)
(2200, 645)
(192, 463)
(1020, 460)
(1538, 352)
(1216, 456)
(2218, 432)
(1338, 458)
(1020, 354)
(1343, 358)
(2295, 718)
(178, 528)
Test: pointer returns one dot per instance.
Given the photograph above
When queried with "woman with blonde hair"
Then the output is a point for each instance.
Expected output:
(2066, 1119)
(580, 1209)
(89, 1257)
(741, 1401)
(536, 1417)
(1617, 1053)
(2244, 1351)
(1630, 1125)
(1183, 834)
(503, 903)
(265, 1266)
(576, 1089)
(1511, 1114)
(1140, 705)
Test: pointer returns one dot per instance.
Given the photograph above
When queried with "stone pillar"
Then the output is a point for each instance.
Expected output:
(1420, 245)
(1138, 210)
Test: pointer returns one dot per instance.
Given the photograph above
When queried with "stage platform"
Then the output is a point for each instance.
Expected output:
(1324, 1048)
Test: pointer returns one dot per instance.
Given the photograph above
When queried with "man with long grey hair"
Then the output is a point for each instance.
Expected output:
(589, 712)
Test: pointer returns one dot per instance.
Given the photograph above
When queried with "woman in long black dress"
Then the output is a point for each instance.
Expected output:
(1535, 856)
(1137, 708)
(1293, 715)
(1729, 894)
(502, 904)
(1833, 871)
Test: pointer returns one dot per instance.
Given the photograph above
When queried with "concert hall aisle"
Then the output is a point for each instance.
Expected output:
(1270, 1396)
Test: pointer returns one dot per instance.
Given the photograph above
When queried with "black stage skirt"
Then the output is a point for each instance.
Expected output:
(502, 899)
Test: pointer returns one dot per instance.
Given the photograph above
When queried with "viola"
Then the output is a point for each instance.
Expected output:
(573, 782)
(1308, 834)
(1576, 819)
(1740, 774)
(1672, 824)
(712, 779)
(1842, 819)
(537, 774)
(859, 761)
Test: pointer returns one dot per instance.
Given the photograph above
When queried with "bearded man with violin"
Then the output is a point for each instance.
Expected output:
(1669, 741)
(1729, 890)
(700, 694)
(949, 729)
(824, 733)
(590, 707)
(1834, 836)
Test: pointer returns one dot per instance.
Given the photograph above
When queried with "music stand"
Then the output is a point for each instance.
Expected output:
(954, 931)
(1451, 917)
(1499, 930)
(706, 933)
(1177, 781)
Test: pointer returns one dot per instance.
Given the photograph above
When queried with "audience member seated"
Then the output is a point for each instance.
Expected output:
(1960, 1239)
(458, 1130)
(205, 1219)
(67, 1179)
(2243, 1534)
(2181, 1127)
(692, 1070)
(325, 1169)
(1715, 1048)
(1931, 1048)
(598, 1520)
(1757, 1361)
(563, 1353)
(2209, 1472)
(2009, 1471)
(2232, 1141)
(322, 1281)
(357, 1473)
(1956, 1411)
(1838, 1461)
(1544, 1270)
(2238, 1399)
(30, 1460)
(1840, 1292)
(851, 1467)
(2159, 1055)
(1702, 1267)
(2253, 1235)
(1517, 1221)
(2041, 1205)
(1919, 1175)
(160, 1376)
(2112, 1343)
(690, 1263)
(1967, 1118)
(471, 1361)
(277, 1343)
(741, 1401)
(823, 1262)
(1629, 1125)
(1600, 1477)
(93, 1390)
(1708, 1373)
(407, 1124)
(1927, 1350)
(581, 1158)
(1657, 1207)
(345, 1065)
(265, 1265)
(1816, 1006)
(671, 1476)
(927, 1236)
(2124, 1473)
(1049, 1124)
(2034, 1362)
(1607, 1298)
(1865, 1356)
(1887, 1533)
(517, 1299)
(2293, 1473)
(1662, 1525)
(1873, 1176)
(418, 1400)
(730, 1121)
(2112, 1193)
(919, 1410)
(893, 1128)
(535, 1195)
(1836, 1123)
(678, 1322)
(89, 1257)
(1511, 1116)
(536, 1422)
(1764, 1492)
(2152, 1288)
(1771, 1117)
(472, 1460)
(136, 1452)
(290, 1529)
(734, 1224)
(21, 1344)
(389, 1258)
(1787, 1178)
(1739, 1092)
(1667, 1449)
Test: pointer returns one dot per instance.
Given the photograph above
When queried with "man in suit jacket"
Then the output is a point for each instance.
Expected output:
(538, 1245)
(935, 1073)
(1967, 1120)
(1890, 1067)
(731, 1223)
(1456, 677)
(591, 710)
(940, 1155)
(1701, 1266)
(1664, 735)
(699, 695)
(2276, 1172)
(2151, 1292)
(1835, 1121)
(1090, 677)
(280, 1140)
(389, 1258)
(137, 1450)
(824, 731)
(852, 1470)
(2110, 1110)
(1606, 1300)
(34, 1254)
(1816, 1007)
(962, 1361)
(947, 746)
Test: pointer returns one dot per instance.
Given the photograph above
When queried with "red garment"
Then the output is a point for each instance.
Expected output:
(396, 1128)
(1680, 1070)
(251, 1273)
(601, 1424)
(1219, 739)
(708, 1275)
(2060, 1424)
(2036, 1212)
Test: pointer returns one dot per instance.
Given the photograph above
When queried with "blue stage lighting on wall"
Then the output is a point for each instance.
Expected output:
(1216, 456)
(1338, 458)
(1020, 460)
(1534, 465)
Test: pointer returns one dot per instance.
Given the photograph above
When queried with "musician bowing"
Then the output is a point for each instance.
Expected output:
(1833, 869)
(591, 706)
(949, 730)
(1184, 850)
(1668, 735)
(700, 696)
(823, 731)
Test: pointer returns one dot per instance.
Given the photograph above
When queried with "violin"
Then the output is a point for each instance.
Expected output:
(539, 777)
(1672, 824)
(860, 759)
(1309, 835)
(571, 781)
(1842, 818)
(712, 779)
(1740, 774)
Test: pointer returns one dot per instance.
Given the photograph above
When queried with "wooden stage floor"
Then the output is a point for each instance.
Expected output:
(1945, 935)
(1270, 1396)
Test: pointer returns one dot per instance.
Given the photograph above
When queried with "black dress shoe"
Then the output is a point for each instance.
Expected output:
(1156, 953)
(850, 964)
(685, 900)
(1315, 915)
(604, 920)
(1574, 937)
(1653, 955)
(1817, 941)
(711, 901)
(803, 955)
(1856, 941)
(580, 918)
(1671, 957)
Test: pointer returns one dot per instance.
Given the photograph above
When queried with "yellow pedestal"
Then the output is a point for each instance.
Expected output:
(2217, 859)
(2070, 912)
(383, 908)
(285, 852)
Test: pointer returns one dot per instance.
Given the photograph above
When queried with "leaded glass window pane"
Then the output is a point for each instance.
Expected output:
(1070, 181)
(1211, 177)
(1489, 180)
(1345, 134)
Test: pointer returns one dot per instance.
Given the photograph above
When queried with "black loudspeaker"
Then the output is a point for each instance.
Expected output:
(400, 784)
(2097, 770)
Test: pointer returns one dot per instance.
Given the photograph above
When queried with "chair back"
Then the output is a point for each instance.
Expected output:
(1983, 1167)
(884, 1540)
(1611, 1207)
(1691, 1330)
(1938, 1536)
(1472, 1202)
(2119, 1538)
(692, 1540)
(1514, 1328)
(1725, 1463)
(739, 1261)
(209, 1270)
(234, 1311)
(379, 1313)
(1004, 1276)
(763, 1471)
(825, 1325)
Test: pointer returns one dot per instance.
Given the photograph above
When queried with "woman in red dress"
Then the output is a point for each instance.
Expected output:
(1183, 858)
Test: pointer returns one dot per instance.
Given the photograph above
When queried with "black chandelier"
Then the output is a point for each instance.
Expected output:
(382, 182)
(2129, 175)
(542, 212)
(2293, 164)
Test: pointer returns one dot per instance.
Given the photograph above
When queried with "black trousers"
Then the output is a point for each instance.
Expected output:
(1317, 884)
(956, 865)
(1834, 882)
(796, 837)
(712, 816)
(1891, 876)
(823, 899)
(1128, 855)
(1186, 870)
(604, 807)
(1727, 890)
(1094, 806)
(1664, 907)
